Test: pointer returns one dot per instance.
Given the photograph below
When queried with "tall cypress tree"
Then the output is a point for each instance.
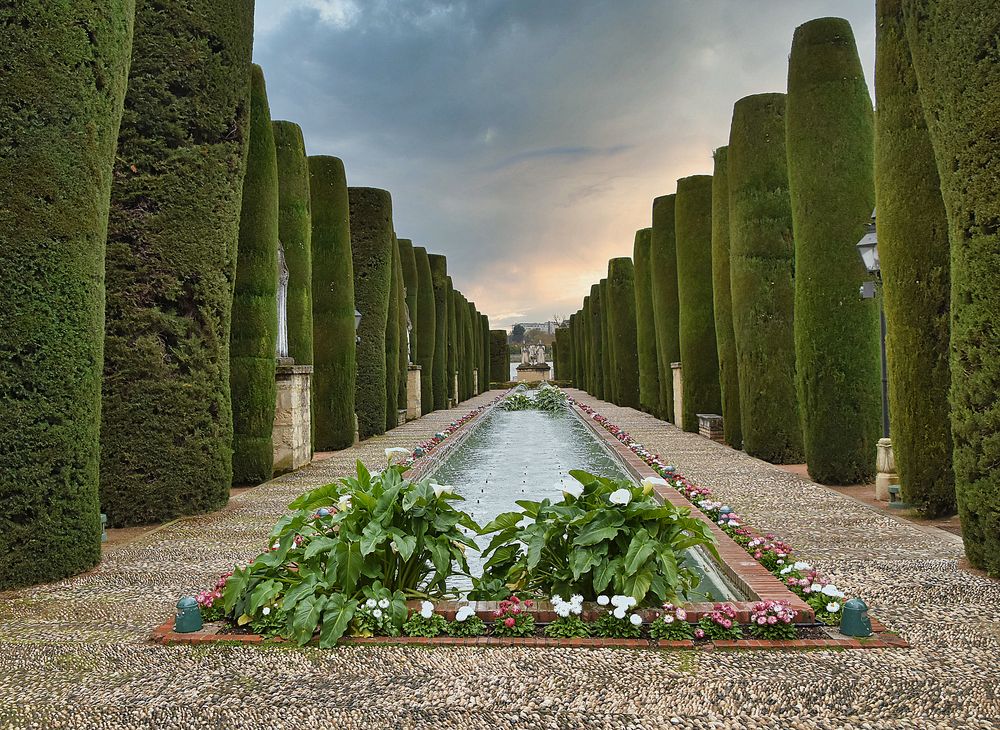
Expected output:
(392, 339)
(61, 99)
(666, 308)
(254, 333)
(295, 234)
(722, 303)
(499, 360)
(649, 375)
(426, 327)
(699, 353)
(166, 421)
(954, 49)
(402, 352)
(585, 331)
(914, 251)
(621, 306)
(762, 279)
(830, 140)
(570, 374)
(454, 335)
(597, 355)
(408, 261)
(334, 348)
(371, 254)
(439, 281)
(471, 347)
(486, 374)
(461, 330)
(607, 374)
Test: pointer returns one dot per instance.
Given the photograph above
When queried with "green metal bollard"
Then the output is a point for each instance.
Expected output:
(855, 621)
(104, 527)
(188, 617)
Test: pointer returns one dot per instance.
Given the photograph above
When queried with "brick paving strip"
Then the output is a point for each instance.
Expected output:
(76, 654)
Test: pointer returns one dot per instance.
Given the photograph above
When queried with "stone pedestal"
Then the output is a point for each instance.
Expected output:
(475, 381)
(532, 373)
(413, 393)
(453, 401)
(885, 464)
(400, 416)
(678, 393)
(292, 416)
(710, 426)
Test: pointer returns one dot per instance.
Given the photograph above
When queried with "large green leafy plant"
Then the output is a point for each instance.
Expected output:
(605, 536)
(377, 537)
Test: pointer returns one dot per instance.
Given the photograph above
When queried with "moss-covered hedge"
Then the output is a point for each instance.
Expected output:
(334, 365)
(954, 49)
(621, 306)
(426, 326)
(167, 423)
(722, 303)
(402, 352)
(666, 308)
(587, 347)
(371, 254)
(392, 338)
(762, 269)
(597, 355)
(61, 99)
(830, 142)
(439, 373)
(462, 366)
(569, 358)
(914, 253)
(699, 354)
(649, 375)
(454, 336)
(499, 359)
(254, 333)
(471, 346)
(408, 261)
(486, 373)
(295, 234)
(607, 372)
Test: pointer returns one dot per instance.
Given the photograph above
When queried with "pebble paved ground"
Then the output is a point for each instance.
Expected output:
(75, 655)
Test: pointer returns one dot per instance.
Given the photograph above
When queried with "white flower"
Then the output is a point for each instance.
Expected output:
(654, 482)
(396, 454)
(562, 609)
(371, 603)
(833, 607)
(830, 590)
(573, 490)
(667, 618)
(383, 603)
(621, 496)
(464, 612)
(681, 614)
(440, 489)
(635, 619)
(786, 570)
(266, 610)
(620, 612)
(576, 600)
(630, 601)
(619, 601)
(426, 609)
(377, 613)
(603, 600)
(801, 566)
(344, 504)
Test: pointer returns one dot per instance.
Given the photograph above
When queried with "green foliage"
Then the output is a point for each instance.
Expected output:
(517, 401)
(392, 334)
(439, 370)
(334, 366)
(486, 374)
(471, 320)
(371, 253)
(915, 257)
(621, 307)
(829, 129)
(568, 627)
(674, 630)
(596, 342)
(550, 398)
(568, 372)
(60, 105)
(699, 354)
(426, 326)
(762, 270)
(523, 625)
(586, 317)
(349, 541)
(607, 374)
(613, 536)
(380, 614)
(295, 234)
(722, 303)
(649, 375)
(454, 334)
(167, 422)
(402, 352)
(610, 626)
(472, 626)
(499, 360)
(254, 333)
(666, 307)
(408, 262)
(954, 50)
(418, 625)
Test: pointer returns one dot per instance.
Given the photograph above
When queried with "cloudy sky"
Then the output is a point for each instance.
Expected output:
(526, 139)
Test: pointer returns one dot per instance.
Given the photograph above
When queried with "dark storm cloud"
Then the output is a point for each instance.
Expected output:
(525, 140)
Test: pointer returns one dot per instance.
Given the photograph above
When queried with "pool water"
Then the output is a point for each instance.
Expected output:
(528, 455)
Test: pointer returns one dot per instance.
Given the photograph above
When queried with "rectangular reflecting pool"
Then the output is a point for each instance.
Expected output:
(528, 455)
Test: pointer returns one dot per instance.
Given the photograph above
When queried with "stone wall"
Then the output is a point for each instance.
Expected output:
(292, 418)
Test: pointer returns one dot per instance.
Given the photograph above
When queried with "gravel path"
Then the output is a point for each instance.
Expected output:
(74, 654)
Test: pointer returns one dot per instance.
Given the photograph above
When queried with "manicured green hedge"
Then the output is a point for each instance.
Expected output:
(558, 354)
(254, 334)
(402, 352)
(587, 348)
(499, 359)
(471, 346)
(392, 338)
(334, 366)
(666, 308)
(426, 327)
(569, 357)
(914, 252)
(54, 188)
(762, 268)
(722, 303)
(607, 372)
(371, 254)
(440, 370)
(462, 365)
(167, 421)
(699, 354)
(649, 376)
(295, 234)
(408, 261)
(830, 141)
(954, 49)
(486, 374)
(621, 306)
(454, 336)
(597, 355)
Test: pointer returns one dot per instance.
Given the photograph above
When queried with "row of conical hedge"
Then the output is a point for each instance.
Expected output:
(147, 206)
(753, 274)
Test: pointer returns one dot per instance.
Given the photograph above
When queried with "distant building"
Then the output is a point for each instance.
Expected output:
(548, 328)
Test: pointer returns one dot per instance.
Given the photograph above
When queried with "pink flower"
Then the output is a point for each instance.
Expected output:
(529, 603)
(681, 614)
(509, 622)
(771, 620)
(699, 633)
(497, 613)
(762, 620)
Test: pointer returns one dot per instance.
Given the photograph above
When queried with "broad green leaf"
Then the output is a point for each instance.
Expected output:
(297, 593)
(502, 521)
(265, 592)
(405, 544)
(348, 566)
(371, 537)
(636, 585)
(639, 551)
(336, 616)
(604, 572)
(440, 555)
(319, 545)
(592, 535)
(306, 617)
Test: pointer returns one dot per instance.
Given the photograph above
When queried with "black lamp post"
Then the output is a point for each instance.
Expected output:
(868, 250)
